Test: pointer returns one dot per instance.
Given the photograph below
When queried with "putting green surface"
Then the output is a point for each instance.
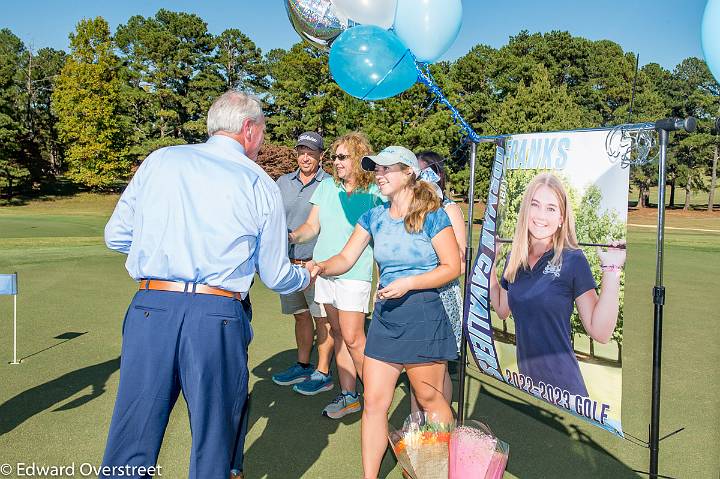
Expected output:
(55, 407)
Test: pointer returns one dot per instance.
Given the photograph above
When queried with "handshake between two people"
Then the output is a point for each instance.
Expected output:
(396, 289)
(314, 269)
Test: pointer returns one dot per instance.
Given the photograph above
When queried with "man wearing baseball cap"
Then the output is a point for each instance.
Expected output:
(296, 189)
(311, 140)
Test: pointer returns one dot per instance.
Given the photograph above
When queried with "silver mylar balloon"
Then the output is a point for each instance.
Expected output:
(316, 21)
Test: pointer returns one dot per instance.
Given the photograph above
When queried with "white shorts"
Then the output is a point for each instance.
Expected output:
(343, 294)
(301, 301)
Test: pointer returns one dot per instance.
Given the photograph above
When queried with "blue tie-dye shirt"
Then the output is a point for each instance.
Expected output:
(400, 254)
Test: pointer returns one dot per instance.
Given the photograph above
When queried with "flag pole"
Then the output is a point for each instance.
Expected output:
(15, 361)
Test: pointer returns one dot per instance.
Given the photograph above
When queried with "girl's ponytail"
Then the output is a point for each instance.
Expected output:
(425, 200)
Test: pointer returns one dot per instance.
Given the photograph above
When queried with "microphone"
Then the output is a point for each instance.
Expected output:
(671, 124)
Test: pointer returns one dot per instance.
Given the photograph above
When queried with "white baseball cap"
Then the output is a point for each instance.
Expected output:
(390, 156)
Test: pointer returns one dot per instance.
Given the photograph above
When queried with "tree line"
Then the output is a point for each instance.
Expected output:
(92, 114)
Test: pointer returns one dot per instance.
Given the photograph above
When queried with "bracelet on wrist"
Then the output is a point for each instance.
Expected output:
(608, 268)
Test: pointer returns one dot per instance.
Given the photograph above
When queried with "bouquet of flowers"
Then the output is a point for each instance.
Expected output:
(476, 453)
(421, 446)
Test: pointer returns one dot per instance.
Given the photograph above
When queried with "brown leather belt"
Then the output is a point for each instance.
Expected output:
(300, 262)
(183, 287)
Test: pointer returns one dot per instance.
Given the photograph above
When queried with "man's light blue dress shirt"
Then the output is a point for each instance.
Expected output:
(206, 214)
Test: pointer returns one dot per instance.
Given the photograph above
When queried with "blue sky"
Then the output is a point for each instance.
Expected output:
(661, 31)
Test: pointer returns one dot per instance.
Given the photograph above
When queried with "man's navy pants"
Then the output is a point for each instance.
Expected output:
(175, 341)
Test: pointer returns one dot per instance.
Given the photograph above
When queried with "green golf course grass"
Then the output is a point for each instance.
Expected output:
(55, 406)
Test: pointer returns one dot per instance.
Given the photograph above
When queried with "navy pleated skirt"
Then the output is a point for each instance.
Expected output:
(412, 329)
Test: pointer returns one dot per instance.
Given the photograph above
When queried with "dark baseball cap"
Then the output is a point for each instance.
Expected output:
(310, 139)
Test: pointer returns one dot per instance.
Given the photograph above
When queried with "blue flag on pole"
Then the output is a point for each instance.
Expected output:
(8, 284)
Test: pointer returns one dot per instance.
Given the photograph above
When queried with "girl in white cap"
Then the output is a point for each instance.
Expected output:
(416, 252)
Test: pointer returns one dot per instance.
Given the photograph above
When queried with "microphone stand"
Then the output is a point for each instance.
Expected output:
(663, 128)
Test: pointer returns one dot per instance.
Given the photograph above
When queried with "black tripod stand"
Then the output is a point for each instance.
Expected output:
(663, 127)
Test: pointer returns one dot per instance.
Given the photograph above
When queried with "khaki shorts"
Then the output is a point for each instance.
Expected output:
(343, 294)
(301, 301)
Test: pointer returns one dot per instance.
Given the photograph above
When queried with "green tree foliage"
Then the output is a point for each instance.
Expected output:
(539, 107)
(169, 65)
(538, 83)
(169, 68)
(89, 105)
(512, 188)
(11, 127)
(595, 227)
(471, 86)
(692, 154)
(302, 96)
(43, 150)
(413, 120)
(30, 153)
(652, 101)
(608, 86)
(695, 94)
(597, 74)
(240, 62)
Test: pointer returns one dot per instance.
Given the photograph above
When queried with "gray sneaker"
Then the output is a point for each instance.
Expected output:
(342, 405)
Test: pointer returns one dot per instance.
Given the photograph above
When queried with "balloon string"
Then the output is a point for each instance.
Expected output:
(426, 77)
(386, 75)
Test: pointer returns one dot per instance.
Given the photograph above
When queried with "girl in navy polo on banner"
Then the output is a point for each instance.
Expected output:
(545, 276)
(416, 252)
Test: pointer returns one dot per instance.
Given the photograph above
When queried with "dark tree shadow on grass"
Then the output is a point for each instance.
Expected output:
(25, 405)
(542, 443)
(47, 191)
(296, 433)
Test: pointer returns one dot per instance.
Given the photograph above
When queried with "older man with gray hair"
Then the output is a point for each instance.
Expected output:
(196, 222)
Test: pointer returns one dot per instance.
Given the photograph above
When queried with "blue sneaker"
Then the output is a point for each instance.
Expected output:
(293, 375)
(317, 383)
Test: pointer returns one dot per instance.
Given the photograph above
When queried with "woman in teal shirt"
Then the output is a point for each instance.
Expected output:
(337, 204)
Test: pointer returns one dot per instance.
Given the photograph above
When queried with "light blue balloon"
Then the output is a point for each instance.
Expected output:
(711, 37)
(371, 63)
(428, 27)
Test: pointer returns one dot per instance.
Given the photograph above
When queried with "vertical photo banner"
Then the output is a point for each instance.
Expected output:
(545, 308)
